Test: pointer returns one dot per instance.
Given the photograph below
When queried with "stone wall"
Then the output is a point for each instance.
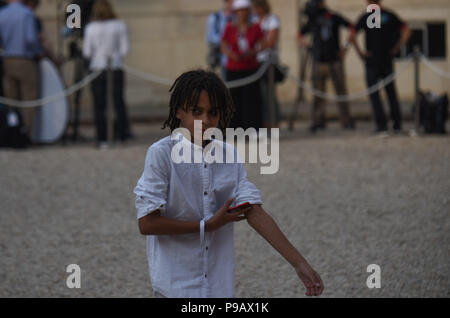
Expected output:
(167, 38)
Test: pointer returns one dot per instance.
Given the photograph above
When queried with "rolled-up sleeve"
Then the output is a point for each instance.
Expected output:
(246, 191)
(151, 189)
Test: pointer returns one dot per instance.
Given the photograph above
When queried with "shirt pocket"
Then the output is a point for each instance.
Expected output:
(223, 190)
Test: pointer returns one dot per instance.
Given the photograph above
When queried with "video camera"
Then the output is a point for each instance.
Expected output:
(312, 8)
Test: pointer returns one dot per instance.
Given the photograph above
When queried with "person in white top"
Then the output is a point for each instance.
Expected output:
(106, 41)
(270, 25)
(182, 207)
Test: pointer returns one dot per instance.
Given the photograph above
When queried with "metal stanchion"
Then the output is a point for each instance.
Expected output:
(271, 91)
(110, 103)
(416, 130)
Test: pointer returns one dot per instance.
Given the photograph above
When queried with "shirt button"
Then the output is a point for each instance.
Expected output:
(205, 193)
(205, 165)
(207, 248)
(206, 275)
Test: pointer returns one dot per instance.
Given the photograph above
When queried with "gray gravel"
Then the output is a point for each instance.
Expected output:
(346, 200)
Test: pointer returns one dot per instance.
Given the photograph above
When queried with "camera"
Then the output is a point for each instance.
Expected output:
(312, 8)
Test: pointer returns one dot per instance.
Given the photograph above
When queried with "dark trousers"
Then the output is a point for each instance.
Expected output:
(1, 77)
(375, 72)
(99, 92)
(247, 101)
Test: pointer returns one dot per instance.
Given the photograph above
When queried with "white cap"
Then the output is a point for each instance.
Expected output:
(241, 4)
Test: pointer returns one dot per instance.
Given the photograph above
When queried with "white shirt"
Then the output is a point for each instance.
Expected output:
(104, 39)
(180, 266)
(269, 23)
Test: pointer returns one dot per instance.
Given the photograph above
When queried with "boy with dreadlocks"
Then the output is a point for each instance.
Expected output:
(182, 208)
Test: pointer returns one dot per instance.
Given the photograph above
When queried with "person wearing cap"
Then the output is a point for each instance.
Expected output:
(328, 59)
(241, 42)
(382, 45)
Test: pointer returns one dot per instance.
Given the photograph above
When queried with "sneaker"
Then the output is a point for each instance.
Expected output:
(103, 145)
(382, 133)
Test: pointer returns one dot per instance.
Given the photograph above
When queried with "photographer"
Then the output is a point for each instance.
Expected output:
(328, 57)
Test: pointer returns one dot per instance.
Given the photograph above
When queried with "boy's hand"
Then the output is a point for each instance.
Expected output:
(311, 280)
(222, 217)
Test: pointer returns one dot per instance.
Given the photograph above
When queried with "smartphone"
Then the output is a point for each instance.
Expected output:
(239, 207)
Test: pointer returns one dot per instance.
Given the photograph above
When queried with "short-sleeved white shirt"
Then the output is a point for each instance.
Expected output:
(269, 23)
(180, 266)
(103, 40)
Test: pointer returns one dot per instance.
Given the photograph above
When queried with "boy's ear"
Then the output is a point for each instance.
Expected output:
(178, 114)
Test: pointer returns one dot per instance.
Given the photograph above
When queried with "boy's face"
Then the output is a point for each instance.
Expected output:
(202, 111)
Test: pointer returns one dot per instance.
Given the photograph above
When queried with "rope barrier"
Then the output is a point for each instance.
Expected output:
(231, 84)
(53, 98)
(147, 76)
(434, 68)
(250, 79)
(349, 97)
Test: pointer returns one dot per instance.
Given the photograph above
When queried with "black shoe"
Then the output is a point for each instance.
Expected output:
(350, 126)
(313, 129)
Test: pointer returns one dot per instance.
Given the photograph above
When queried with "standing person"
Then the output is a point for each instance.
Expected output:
(214, 31)
(270, 25)
(328, 60)
(183, 209)
(241, 43)
(382, 45)
(21, 51)
(2, 4)
(45, 43)
(106, 38)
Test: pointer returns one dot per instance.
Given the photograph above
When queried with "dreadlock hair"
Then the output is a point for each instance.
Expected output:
(186, 91)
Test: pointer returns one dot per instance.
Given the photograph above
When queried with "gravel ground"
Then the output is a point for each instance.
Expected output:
(345, 199)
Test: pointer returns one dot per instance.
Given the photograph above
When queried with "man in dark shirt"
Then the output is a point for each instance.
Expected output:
(382, 44)
(2, 3)
(328, 55)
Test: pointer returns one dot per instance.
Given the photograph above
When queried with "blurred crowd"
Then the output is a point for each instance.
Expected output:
(105, 43)
(242, 37)
(244, 34)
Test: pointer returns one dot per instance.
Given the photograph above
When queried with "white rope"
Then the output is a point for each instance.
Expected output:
(434, 68)
(231, 84)
(53, 98)
(347, 98)
(147, 76)
(250, 79)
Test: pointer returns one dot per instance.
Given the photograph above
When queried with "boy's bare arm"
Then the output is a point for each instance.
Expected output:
(264, 224)
(155, 224)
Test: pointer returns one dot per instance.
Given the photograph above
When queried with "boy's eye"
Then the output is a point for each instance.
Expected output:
(213, 113)
(196, 111)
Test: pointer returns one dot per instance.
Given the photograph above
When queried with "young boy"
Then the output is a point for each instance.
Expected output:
(182, 208)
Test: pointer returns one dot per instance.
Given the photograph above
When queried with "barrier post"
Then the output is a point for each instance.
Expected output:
(417, 88)
(271, 91)
(110, 103)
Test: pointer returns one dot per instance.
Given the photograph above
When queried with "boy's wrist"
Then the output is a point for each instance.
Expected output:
(208, 226)
(299, 262)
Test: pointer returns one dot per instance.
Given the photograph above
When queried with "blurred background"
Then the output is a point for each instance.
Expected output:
(168, 37)
(345, 198)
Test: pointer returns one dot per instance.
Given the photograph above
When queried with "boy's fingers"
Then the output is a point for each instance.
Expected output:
(242, 211)
(227, 204)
